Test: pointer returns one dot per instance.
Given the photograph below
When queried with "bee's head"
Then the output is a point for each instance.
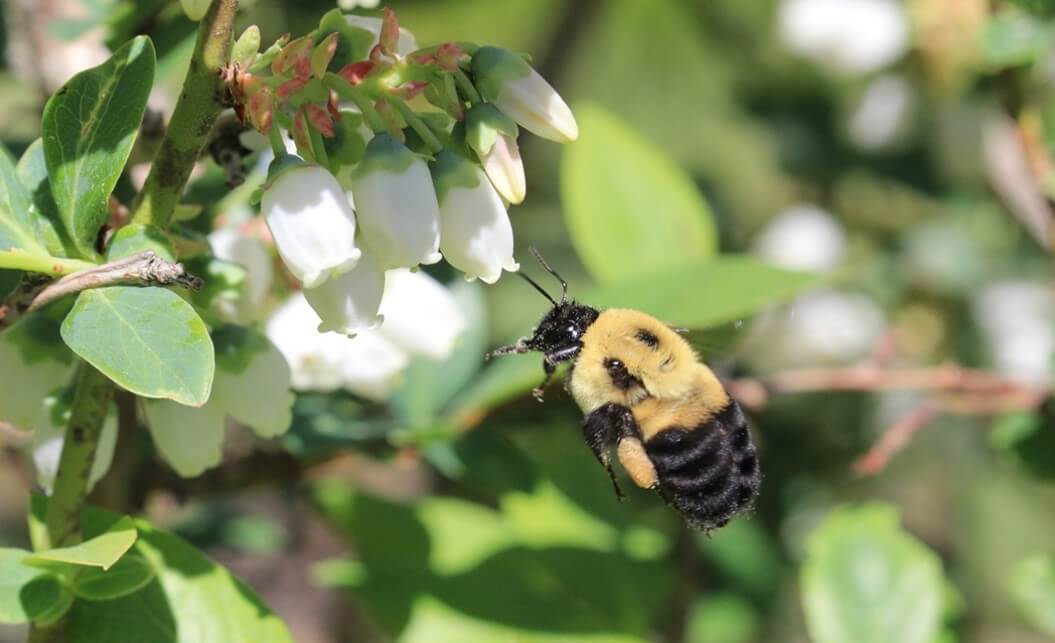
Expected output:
(560, 331)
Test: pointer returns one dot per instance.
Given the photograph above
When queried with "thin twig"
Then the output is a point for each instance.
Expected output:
(145, 268)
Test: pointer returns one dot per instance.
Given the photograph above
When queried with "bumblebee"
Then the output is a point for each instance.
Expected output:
(645, 393)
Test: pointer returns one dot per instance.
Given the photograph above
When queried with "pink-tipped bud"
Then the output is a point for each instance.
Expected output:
(320, 119)
(449, 55)
(290, 87)
(301, 136)
(356, 72)
(260, 109)
(389, 38)
(323, 55)
(291, 54)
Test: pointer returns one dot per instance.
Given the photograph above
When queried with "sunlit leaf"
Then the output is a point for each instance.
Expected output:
(148, 340)
(866, 580)
(101, 551)
(131, 573)
(1033, 588)
(88, 130)
(628, 206)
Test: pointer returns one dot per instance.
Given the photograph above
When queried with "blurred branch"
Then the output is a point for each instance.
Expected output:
(1005, 153)
(950, 388)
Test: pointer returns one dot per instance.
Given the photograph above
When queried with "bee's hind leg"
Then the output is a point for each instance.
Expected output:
(603, 429)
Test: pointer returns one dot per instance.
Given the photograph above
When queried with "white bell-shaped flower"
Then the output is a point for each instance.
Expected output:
(49, 435)
(493, 136)
(248, 251)
(369, 365)
(253, 388)
(505, 79)
(348, 303)
(421, 316)
(396, 204)
(476, 236)
(312, 223)
(189, 438)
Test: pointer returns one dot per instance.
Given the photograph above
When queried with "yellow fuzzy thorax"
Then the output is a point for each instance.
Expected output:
(676, 388)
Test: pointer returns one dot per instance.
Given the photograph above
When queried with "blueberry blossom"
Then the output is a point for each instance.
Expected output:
(349, 303)
(311, 221)
(505, 79)
(421, 316)
(476, 236)
(396, 203)
(493, 136)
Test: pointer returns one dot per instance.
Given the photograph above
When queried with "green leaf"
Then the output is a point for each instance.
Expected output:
(88, 129)
(1033, 588)
(18, 227)
(1026, 440)
(128, 575)
(866, 580)
(627, 204)
(46, 599)
(353, 43)
(1011, 38)
(33, 172)
(190, 600)
(15, 577)
(148, 340)
(730, 287)
(101, 551)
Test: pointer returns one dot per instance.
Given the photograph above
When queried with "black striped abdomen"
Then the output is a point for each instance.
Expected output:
(709, 473)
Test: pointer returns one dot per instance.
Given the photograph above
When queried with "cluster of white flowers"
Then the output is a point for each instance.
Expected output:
(400, 210)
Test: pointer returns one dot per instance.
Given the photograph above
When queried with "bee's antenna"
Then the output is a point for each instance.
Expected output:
(537, 287)
(563, 284)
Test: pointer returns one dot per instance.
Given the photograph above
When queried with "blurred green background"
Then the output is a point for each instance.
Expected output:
(914, 184)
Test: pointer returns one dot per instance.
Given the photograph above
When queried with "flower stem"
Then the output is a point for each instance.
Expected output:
(192, 120)
(15, 259)
(467, 87)
(278, 146)
(370, 115)
(415, 122)
(318, 147)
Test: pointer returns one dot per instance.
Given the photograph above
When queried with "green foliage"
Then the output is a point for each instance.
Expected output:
(148, 340)
(627, 205)
(1026, 439)
(129, 574)
(89, 128)
(1033, 588)
(1013, 38)
(33, 173)
(100, 551)
(18, 227)
(26, 593)
(866, 580)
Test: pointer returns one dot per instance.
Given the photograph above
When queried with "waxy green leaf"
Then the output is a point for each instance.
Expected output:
(628, 206)
(128, 575)
(88, 130)
(18, 228)
(101, 551)
(147, 340)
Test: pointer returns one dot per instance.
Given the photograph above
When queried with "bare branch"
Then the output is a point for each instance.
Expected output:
(144, 269)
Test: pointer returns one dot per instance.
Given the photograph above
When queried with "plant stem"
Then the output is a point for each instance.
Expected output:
(415, 122)
(15, 259)
(318, 147)
(198, 106)
(90, 405)
(192, 120)
(278, 146)
(466, 85)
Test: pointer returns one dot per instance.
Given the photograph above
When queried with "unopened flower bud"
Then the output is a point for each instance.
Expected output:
(492, 135)
(475, 233)
(312, 223)
(396, 203)
(505, 79)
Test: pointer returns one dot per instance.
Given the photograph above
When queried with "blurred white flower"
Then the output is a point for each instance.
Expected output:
(348, 304)
(881, 112)
(823, 327)
(49, 436)
(257, 396)
(802, 237)
(38, 376)
(505, 79)
(407, 43)
(421, 316)
(854, 36)
(189, 438)
(396, 205)
(249, 252)
(476, 236)
(369, 365)
(1018, 320)
(312, 223)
